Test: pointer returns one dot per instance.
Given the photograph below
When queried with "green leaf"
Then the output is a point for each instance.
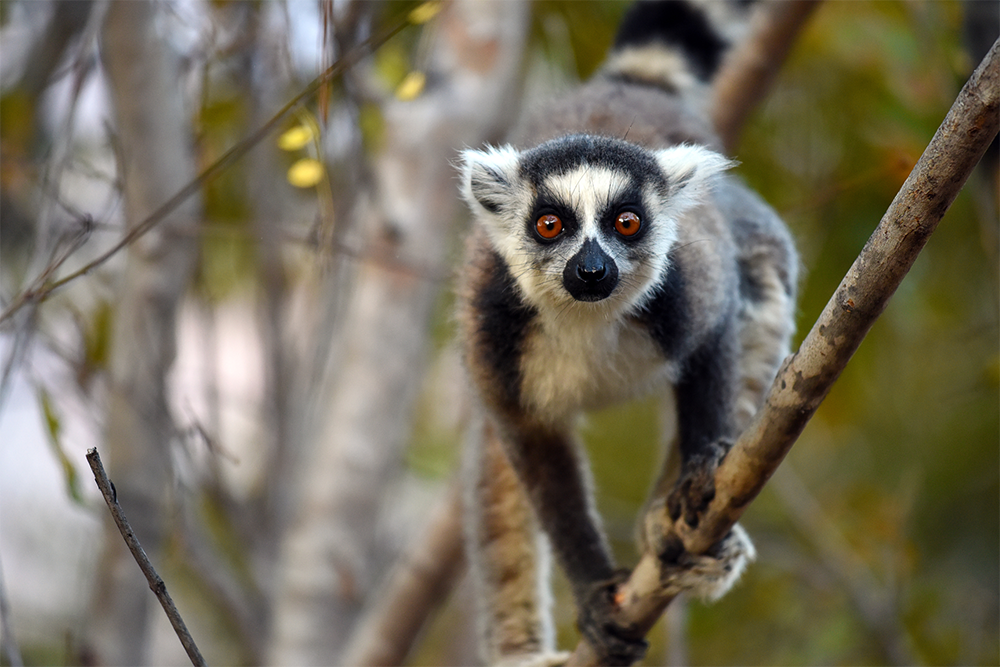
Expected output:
(53, 428)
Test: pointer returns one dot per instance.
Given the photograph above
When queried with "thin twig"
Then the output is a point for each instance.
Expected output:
(807, 376)
(40, 289)
(155, 582)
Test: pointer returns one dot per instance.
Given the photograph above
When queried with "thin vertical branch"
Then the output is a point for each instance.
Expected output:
(329, 564)
(156, 584)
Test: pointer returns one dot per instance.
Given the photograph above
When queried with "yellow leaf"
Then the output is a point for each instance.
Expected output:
(305, 173)
(295, 138)
(425, 12)
(411, 87)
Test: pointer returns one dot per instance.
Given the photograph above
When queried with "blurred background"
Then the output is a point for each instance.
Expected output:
(269, 372)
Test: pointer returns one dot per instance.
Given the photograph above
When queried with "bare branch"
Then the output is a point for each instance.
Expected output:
(750, 70)
(155, 582)
(807, 376)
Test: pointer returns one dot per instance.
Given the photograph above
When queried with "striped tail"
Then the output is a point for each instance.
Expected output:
(677, 45)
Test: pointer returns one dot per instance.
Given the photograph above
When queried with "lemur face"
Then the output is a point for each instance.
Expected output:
(585, 221)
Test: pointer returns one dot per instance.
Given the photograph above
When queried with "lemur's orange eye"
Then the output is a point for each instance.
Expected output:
(627, 223)
(548, 226)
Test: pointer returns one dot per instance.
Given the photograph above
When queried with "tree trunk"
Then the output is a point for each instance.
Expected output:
(326, 573)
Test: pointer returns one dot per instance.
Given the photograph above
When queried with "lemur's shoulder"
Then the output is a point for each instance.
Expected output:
(493, 320)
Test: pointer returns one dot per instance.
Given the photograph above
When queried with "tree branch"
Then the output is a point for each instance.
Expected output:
(155, 582)
(807, 376)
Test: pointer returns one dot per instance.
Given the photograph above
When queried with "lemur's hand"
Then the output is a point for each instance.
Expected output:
(695, 488)
(709, 575)
(614, 643)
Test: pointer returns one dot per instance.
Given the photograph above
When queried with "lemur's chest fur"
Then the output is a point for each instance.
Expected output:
(571, 363)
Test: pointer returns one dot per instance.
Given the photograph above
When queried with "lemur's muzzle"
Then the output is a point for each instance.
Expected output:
(591, 274)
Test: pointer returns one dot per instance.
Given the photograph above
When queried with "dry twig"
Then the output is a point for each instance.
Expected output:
(807, 376)
(155, 582)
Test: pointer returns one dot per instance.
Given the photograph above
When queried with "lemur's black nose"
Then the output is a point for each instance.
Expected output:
(591, 274)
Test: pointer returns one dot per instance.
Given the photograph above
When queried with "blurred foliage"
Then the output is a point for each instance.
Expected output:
(53, 428)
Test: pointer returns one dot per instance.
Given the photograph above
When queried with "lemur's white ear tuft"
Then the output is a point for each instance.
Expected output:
(689, 171)
(488, 176)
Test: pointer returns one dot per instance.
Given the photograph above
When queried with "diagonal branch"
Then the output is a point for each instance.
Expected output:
(155, 582)
(415, 587)
(807, 376)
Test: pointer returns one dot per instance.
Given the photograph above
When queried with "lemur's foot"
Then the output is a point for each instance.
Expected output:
(544, 659)
(614, 643)
(695, 488)
(707, 576)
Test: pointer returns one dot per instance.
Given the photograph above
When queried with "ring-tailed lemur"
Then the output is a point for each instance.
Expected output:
(611, 257)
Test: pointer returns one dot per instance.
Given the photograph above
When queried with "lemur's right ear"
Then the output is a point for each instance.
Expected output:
(489, 177)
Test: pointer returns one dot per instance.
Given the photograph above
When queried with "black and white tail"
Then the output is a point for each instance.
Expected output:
(677, 45)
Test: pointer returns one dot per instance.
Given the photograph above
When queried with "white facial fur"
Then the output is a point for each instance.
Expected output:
(503, 199)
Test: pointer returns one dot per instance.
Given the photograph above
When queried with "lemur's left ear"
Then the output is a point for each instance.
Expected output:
(488, 176)
(689, 171)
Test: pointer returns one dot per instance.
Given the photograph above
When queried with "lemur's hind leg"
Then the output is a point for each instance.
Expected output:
(510, 562)
(768, 269)
(767, 319)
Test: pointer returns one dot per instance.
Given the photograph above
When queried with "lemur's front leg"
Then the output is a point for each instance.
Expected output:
(551, 466)
(705, 397)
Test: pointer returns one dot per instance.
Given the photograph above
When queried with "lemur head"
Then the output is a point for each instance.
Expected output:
(585, 221)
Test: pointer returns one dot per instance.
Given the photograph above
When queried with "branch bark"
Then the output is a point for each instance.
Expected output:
(156, 583)
(807, 376)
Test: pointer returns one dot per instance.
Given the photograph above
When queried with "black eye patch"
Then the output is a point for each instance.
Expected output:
(629, 200)
(547, 204)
